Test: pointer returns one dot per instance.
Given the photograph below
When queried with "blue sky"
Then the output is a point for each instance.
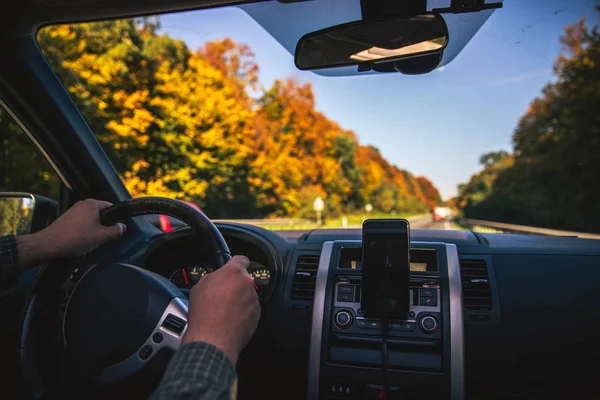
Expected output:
(436, 125)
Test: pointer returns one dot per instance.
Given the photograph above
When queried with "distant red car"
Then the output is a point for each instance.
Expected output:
(165, 223)
(441, 213)
(435, 217)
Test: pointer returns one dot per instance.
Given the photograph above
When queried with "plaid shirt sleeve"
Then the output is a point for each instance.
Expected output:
(197, 371)
(9, 262)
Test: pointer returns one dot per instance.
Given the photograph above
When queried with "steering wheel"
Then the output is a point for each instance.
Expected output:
(112, 323)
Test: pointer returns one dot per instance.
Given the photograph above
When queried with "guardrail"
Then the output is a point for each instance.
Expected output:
(511, 228)
(269, 222)
(275, 222)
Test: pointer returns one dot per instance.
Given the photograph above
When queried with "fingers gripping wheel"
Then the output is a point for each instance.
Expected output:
(199, 222)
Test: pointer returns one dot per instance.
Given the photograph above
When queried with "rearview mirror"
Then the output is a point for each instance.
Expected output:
(372, 42)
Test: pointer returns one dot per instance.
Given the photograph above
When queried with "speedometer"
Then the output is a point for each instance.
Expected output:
(260, 273)
(188, 276)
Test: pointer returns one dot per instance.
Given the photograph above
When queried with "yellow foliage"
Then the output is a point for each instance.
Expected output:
(181, 124)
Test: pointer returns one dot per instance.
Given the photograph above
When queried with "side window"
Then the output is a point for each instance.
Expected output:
(22, 167)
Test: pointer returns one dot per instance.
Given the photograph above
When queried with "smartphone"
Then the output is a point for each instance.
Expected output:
(386, 268)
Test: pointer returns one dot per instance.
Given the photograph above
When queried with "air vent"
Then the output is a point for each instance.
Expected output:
(476, 285)
(305, 276)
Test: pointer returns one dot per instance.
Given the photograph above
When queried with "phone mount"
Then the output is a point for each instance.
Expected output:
(386, 269)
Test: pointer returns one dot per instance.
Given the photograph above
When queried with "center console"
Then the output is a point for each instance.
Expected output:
(424, 353)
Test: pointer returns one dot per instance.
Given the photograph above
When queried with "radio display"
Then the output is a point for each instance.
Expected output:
(421, 260)
(418, 267)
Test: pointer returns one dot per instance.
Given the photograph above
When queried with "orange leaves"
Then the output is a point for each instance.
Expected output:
(430, 192)
(328, 158)
(235, 61)
(182, 124)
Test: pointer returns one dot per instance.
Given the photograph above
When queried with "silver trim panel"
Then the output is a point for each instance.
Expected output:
(457, 371)
(131, 365)
(314, 356)
(457, 351)
(416, 309)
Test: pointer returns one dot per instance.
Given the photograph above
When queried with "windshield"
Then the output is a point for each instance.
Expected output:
(208, 107)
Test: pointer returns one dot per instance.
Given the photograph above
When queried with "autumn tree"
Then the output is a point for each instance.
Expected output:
(172, 124)
(193, 125)
(430, 192)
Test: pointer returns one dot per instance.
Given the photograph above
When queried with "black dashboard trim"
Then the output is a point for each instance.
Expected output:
(241, 232)
(536, 282)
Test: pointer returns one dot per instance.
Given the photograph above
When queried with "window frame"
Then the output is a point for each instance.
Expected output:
(38, 147)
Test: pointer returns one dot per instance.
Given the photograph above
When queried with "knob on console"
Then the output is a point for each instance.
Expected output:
(343, 319)
(428, 324)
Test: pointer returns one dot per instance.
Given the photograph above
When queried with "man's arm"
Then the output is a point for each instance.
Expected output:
(203, 368)
(74, 233)
(197, 371)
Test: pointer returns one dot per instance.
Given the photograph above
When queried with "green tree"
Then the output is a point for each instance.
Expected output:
(550, 180)
(386, 197)
(15, 216)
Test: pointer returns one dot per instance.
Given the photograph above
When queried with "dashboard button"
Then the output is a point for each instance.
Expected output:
(346, 289)
(343, 319)
(402, 326)
(157, 337)
(341, 390)
(432, 283)
(345, 297)
(362, 323)
(428, 324)
(373, 392)
(145, 352)
(428, 292)
(394, 326)
(428, 301)
(374, 324)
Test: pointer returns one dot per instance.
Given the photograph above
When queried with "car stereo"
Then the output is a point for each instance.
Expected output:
(423, 352)
(422, 318)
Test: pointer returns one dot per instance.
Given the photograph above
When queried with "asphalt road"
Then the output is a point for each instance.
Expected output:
(425, 222)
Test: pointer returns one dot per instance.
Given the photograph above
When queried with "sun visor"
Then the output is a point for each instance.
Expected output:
(288, 22)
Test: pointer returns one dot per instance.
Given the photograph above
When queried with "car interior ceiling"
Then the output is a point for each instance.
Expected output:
(489, 315)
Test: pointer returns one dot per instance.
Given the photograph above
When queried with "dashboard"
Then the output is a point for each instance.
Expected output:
(528, 306)
(187, 275)
(179, 258)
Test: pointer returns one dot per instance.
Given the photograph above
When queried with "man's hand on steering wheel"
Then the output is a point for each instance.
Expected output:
(217, 297)
(96, 303)
(74, 233)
